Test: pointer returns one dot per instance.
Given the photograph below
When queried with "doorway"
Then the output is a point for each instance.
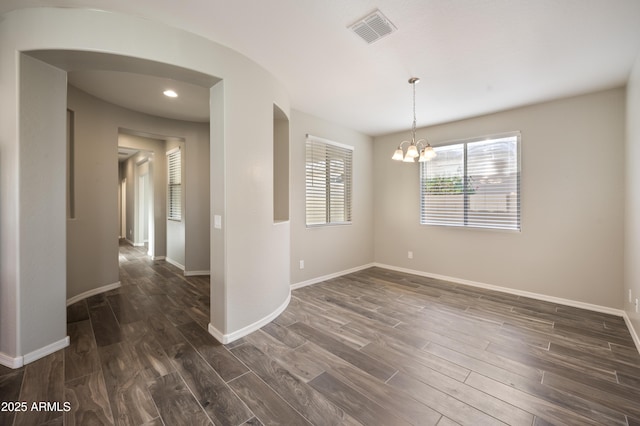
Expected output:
(90, 266)
(136, 197)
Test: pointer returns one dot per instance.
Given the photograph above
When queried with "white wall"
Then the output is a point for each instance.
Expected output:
(217, 179)
(92, 236)
(329, 250)
(242, 111)
(42, 204)
(257, 250)
(572, 186)
(632, 205)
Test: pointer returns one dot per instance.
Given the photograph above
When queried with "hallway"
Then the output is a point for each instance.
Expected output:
(118, 342)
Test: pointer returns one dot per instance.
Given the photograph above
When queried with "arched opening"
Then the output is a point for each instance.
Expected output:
(41, 46)
(96, 129)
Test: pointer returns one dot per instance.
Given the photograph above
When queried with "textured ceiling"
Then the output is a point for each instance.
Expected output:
(473, 56)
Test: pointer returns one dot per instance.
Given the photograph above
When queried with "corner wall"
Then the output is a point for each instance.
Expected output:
(632, 204)
(572, 188)
(42, 204)
(328, 250)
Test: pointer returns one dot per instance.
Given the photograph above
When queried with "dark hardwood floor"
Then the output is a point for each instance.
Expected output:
(375, 348)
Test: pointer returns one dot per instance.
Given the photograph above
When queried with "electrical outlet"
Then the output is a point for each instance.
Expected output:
(410, 255)
(302, 264)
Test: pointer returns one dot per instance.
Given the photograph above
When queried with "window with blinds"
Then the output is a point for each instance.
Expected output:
(174, 161)
(328, 182)
(475, 183)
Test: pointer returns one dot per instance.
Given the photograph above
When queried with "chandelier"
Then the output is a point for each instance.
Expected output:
(421, 148)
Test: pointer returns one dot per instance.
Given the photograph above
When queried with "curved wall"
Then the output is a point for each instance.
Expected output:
(632, 202)
(249, 254)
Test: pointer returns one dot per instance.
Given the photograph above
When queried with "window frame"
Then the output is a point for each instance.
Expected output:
(171, 186)
(347, 199)
(466, 206)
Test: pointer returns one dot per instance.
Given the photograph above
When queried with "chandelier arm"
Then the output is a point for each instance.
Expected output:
(400, 145)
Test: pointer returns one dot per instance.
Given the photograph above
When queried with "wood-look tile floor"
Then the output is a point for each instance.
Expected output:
(375, 347)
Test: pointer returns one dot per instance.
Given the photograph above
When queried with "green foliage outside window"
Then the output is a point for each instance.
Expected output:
(448, 185)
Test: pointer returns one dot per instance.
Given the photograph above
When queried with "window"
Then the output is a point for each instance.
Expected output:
(328, 182)
(475, 183)
(174, 160)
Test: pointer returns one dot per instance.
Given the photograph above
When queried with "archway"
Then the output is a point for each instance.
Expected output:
(32, 214)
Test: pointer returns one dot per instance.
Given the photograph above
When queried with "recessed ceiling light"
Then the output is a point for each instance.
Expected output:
(170, 93)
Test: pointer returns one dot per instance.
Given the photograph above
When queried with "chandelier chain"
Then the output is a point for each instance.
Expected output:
(413, 131)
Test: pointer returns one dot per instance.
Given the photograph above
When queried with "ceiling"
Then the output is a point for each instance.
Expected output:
(473, 56)
(141, 92)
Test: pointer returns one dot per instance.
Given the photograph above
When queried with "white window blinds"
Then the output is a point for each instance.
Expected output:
(328, 182)
(474, 183)
(174, 161)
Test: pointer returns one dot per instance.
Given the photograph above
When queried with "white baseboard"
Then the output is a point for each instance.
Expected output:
(174, 263)
(92, 292)
(47, 350)
(330, 276)
(132, 243)
(538, 296)
(158, 257)
(11, 362)
(193, 273)
(634, 333)
(230, 337)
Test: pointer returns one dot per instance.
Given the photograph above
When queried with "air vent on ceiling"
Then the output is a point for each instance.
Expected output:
(373, 27)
